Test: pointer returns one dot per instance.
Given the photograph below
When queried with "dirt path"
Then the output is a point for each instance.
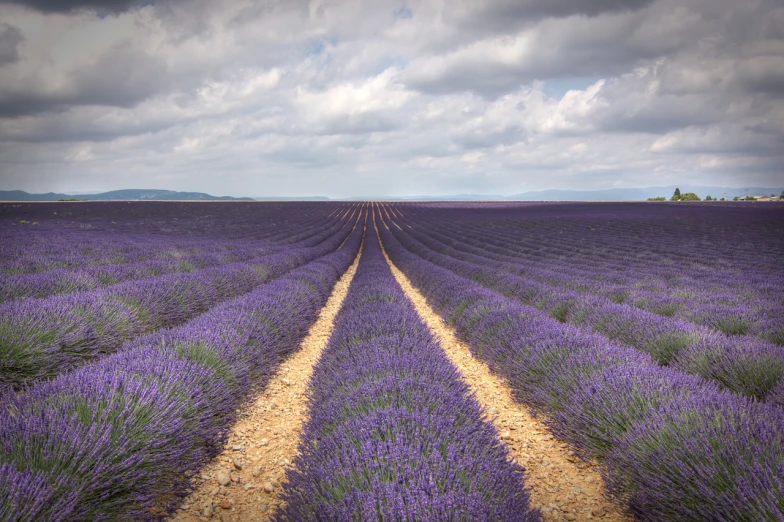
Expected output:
(563, 486)
(243, 483)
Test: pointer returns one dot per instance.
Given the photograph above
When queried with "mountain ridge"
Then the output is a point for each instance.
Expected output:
(615, 194)
(118, 195)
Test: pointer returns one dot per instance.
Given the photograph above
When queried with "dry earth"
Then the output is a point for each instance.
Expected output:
(562, 485)
(244, 482)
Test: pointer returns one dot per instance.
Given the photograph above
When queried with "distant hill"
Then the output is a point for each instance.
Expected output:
(118, 195)
(639, 194)
(617, 194)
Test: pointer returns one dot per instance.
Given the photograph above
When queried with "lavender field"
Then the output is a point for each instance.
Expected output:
(647, 340)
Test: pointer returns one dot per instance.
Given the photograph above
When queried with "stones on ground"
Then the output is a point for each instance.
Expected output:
(225, 504)
(268, 487)
(256, 472)
(237, 464)
(506, 435)
(223, 478)
(286, 382)
(207, 512)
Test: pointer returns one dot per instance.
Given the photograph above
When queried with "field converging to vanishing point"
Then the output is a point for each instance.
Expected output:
(391, 361)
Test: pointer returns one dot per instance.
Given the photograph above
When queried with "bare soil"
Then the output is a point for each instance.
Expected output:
(264, 441)
(561, 484)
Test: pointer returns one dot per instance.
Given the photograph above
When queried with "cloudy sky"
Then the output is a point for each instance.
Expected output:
(374, 97)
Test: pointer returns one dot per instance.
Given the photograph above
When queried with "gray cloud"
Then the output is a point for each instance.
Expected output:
(763, 74)
(119, 77)
(494, 15)
(65, 6)
(554, 48)
(10, 39)
(618, 37)
(357, 97)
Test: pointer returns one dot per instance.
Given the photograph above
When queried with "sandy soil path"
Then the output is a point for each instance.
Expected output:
(244, 482)
(562, 485)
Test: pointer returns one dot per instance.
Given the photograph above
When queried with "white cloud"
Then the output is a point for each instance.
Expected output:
(384, 97)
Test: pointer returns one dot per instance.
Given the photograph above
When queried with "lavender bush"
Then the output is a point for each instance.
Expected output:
(707, 458)
(661, 337)
(161, 260)
(612, 268)
(41, 338)
(750, 367)
(75, 237)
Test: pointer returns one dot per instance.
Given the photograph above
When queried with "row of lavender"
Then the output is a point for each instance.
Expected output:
(619, 255)
(649, 285)
(118, 438)
(602, 262)
(608, 250)
(39, 284)
(44, 337)
(748, 304)
(394, 433)
(690, 237)
(31, 249)
(742, 364)
(675, 447)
